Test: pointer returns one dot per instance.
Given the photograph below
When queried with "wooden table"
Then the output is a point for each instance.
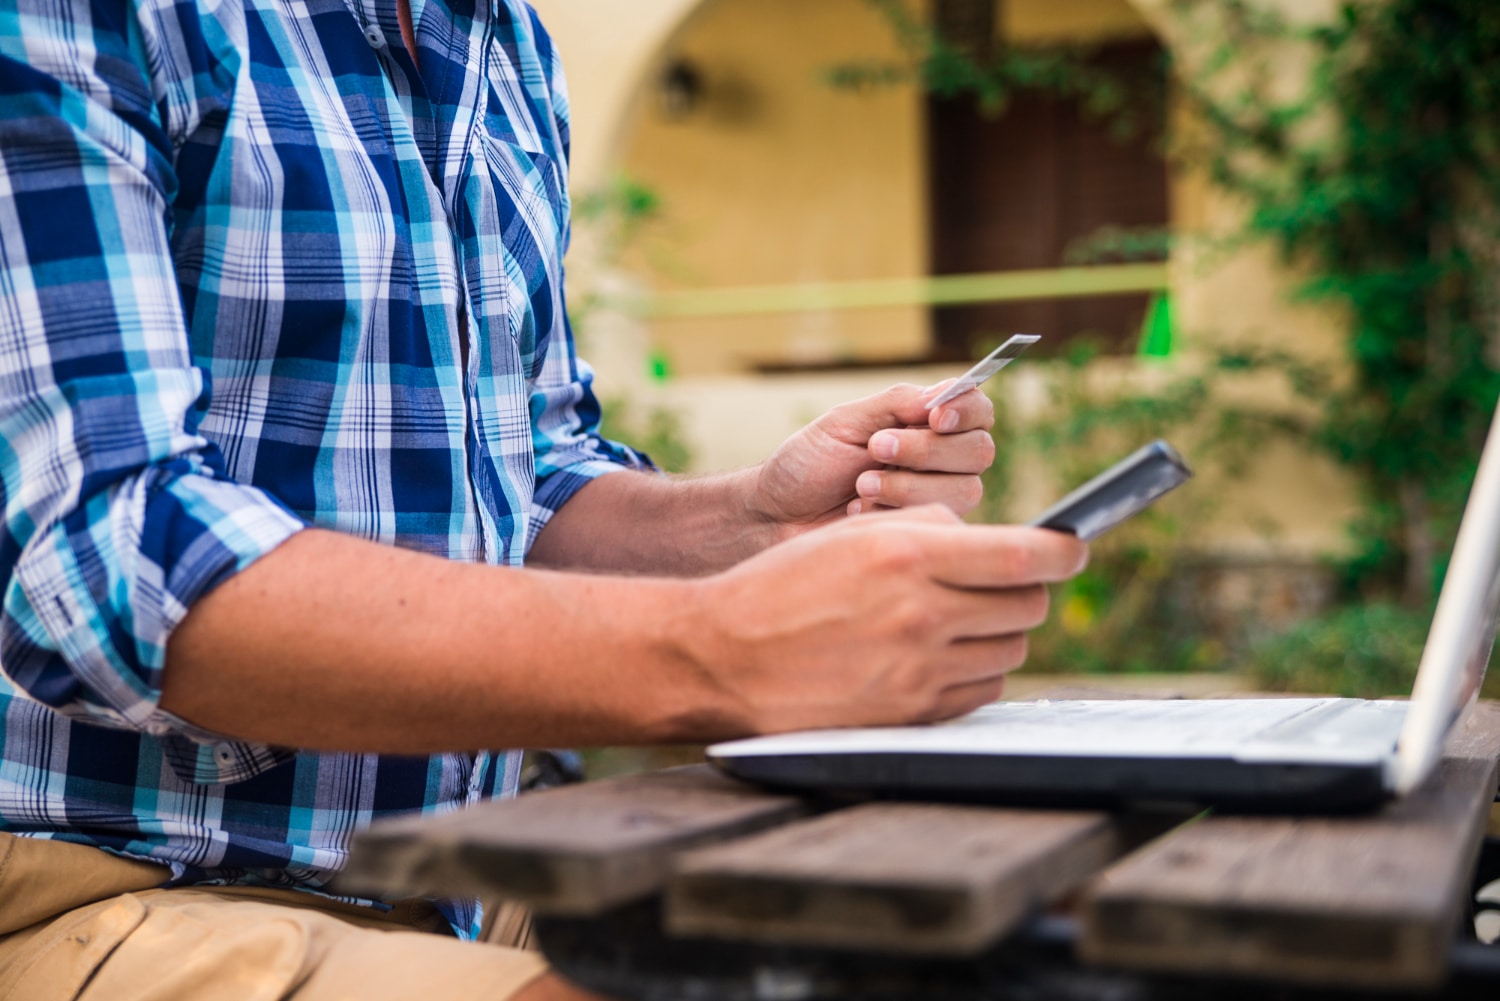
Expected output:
(683, 884)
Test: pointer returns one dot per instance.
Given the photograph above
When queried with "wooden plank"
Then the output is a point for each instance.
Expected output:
(914, 878)
(576, 850)
(1371, 900)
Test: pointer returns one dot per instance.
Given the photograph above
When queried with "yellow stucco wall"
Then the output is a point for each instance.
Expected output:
(781, 179)
(607, 48)
(1047, 21)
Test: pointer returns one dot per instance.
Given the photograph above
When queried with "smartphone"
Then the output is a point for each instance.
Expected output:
(984, 368)
(1127, 487)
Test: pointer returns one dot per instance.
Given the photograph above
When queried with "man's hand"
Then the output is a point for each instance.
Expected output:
(903, 617)
(872, 454)
(884, 451)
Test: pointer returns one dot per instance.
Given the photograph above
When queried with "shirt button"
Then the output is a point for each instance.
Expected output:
(223, 753)
(375, 37)
(158, 729)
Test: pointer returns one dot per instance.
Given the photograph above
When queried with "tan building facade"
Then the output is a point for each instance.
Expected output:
(796, 231)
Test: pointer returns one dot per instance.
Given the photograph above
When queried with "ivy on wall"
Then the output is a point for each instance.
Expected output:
(1382, 182)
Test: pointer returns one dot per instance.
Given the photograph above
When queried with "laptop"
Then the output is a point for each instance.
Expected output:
(1292, 754)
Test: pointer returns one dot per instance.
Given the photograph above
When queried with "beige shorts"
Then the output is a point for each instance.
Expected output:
(76, 922)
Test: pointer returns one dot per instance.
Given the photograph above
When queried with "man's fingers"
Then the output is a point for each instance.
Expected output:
(935, 513)
(979, 668)
(996, 556)
(935, 543)
(959, 492)
(975, 615)
(923, 449)
(968, 412)
(965, 699)
(904, 406)
(932, 542)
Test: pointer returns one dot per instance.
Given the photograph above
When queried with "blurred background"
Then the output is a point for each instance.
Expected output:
(1266, 230)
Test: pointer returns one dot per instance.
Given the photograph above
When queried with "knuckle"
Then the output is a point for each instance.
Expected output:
(941, 512)
(1034, 604)
(971, 492)
(987, 416)
(916, 621)
(1020, 562)
(916, 448)
(912, 685)
(986, 445)
(937, 704)
(895, 489)
(938, 709)
(896, 553)
(1041, 602)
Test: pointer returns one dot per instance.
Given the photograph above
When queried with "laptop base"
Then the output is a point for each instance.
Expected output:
(1112, 782)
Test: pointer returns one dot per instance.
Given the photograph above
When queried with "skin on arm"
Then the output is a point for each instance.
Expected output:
(870, 454)
(331, 642)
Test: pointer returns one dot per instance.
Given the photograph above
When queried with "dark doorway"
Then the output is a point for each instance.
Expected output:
(1017, 190)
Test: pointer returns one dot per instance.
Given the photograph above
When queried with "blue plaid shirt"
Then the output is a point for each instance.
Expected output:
(242, 242)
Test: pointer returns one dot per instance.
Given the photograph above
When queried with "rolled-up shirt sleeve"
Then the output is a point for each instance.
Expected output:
(570, 451)
(118, 516)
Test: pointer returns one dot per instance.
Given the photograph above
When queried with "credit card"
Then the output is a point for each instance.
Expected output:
(986, 367)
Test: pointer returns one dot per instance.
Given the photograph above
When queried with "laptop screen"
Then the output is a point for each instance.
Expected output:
(1463, 627)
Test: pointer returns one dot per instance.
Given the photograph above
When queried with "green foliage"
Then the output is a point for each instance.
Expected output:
(616, 215)
(947, 69)
(1369, 650)
(1363, 651)
(620, 209)
(1392, 206)
(1135, 608)
(1380, 181)
(619, 213)
(1113, 244)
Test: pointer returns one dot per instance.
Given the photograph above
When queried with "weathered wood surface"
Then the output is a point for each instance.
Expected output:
(1370, 900)
(914, 878)
(574, 850)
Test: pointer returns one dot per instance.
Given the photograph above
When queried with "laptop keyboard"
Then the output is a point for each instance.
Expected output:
(1345, 722)
(1245, 729)
(1077, 726)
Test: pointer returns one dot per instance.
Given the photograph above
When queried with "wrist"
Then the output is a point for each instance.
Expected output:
(764, 520)
(704, 703)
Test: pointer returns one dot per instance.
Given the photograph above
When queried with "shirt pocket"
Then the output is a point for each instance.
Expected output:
(528, 190)
(531, 224)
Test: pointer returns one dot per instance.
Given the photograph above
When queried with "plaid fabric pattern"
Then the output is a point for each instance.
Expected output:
(239, 243)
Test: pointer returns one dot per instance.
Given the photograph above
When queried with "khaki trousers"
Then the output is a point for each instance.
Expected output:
(77, 922)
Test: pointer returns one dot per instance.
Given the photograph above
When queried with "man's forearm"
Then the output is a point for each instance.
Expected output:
(331, 642)
(637, 523)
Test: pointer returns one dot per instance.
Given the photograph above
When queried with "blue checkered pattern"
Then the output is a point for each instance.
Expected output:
(238, 243)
